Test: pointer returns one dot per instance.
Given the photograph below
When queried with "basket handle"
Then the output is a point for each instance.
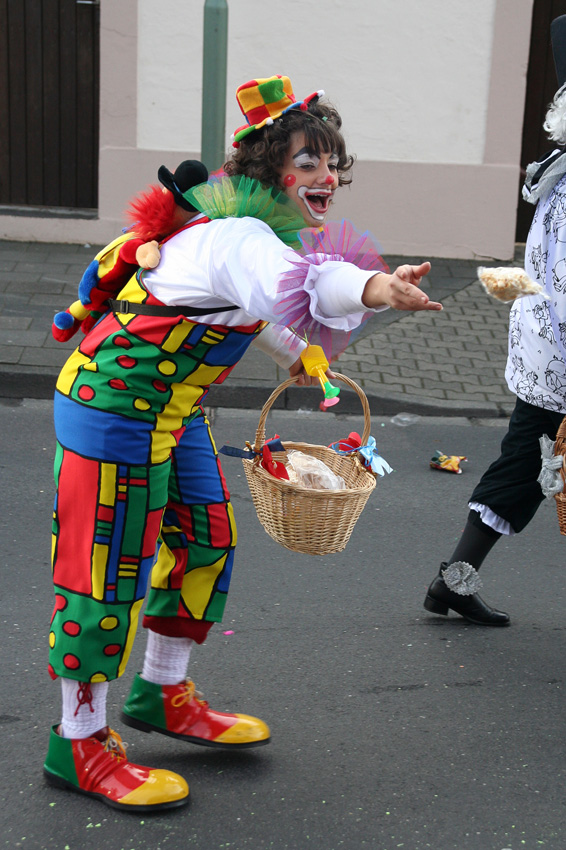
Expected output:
(260, 432)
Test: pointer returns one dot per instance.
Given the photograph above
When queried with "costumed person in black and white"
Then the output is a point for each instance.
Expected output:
(510, 492)
(136, 467)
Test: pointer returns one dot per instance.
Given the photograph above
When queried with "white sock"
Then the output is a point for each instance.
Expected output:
(84, 708)
(166, 659)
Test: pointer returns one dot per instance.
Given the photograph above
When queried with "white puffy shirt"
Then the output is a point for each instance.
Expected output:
(241, 261)
(536, 369)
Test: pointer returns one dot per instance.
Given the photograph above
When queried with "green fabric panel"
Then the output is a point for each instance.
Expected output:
(134, 525)
(158, 480)
(59, 452)
(272, 91)
(215, 609)
(201, 527)
(162, 603)
(85, 617)
(126, 589)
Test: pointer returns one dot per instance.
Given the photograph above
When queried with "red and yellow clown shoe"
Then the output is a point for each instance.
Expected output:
(98, 767)
(176, 710)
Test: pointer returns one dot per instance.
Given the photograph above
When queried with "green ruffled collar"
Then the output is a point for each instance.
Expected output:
(236, 197)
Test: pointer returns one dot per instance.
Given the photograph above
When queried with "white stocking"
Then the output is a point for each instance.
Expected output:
(166, 659)
(84, 708)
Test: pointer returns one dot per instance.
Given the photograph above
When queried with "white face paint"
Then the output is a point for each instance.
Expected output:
(306, 157)
(310, 179)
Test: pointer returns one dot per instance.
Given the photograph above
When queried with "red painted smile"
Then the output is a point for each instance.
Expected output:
(317, 201)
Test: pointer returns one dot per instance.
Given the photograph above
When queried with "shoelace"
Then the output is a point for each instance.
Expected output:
(84, 697)
(114, 745)
(190, 692)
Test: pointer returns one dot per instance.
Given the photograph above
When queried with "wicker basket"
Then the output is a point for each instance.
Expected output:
(560, 449)
(314, 522)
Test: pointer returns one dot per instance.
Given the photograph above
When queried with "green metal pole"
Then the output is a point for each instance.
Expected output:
(214, 65)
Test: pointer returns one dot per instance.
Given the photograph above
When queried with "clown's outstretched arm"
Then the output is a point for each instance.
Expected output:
(399, 290)
(285, 348)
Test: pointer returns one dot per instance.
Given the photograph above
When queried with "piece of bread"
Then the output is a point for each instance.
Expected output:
(506, 284)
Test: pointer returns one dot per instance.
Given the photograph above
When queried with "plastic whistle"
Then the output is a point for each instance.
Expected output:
(316, 364)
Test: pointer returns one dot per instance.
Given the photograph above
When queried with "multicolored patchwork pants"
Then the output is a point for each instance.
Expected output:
(141, 498)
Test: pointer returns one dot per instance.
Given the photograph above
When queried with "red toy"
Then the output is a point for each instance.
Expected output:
(155, 214)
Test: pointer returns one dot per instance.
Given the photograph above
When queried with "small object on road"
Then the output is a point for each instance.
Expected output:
(449, 463)
(507, 284)
(404, 419)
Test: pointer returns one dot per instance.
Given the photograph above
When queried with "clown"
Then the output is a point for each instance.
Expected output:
(509, 492)
(136, 465)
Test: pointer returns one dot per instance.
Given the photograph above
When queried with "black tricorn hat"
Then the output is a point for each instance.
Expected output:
(189, 173)
(558, 38)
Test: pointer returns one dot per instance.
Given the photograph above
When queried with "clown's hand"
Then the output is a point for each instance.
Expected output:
(298, 371)
(399, 290)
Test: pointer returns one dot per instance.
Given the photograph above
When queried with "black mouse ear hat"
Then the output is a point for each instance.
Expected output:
(558, 38)
(189, 173)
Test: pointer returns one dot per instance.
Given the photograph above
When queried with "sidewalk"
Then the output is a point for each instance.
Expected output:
(448, 364)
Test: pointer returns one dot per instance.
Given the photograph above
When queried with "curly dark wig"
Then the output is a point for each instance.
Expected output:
(261, 153)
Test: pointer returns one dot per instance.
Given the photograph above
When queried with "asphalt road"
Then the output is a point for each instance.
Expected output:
(392, 728)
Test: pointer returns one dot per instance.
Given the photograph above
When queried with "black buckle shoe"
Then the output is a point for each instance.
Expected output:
(440, 599)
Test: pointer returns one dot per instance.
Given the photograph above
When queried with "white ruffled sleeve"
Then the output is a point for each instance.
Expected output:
(335, 292)
(250, 266)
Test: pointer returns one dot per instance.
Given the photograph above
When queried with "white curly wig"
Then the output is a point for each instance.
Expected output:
(555, 119)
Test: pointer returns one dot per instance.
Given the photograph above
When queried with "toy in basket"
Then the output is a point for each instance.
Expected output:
(314, 522)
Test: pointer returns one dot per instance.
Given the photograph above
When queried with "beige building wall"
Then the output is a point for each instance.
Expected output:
(432, 97)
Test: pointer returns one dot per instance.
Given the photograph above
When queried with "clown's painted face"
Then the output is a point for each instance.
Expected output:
(310, 179)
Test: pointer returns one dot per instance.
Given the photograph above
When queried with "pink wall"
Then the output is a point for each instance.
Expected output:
(415, 209)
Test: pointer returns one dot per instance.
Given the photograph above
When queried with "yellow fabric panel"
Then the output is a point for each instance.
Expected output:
(109, 254)
(69, 371)
(98, 572)
(134, 617)
(180, 405)
(177, 336)
(162, 569)
(198, 586)
(131, 289)
(212, 337)
(108, 473)
(205, 375)
(233, 528)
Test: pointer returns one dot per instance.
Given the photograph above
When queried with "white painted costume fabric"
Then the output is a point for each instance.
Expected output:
(536, 370)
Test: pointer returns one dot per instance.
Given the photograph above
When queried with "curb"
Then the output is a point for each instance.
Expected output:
(20, 385)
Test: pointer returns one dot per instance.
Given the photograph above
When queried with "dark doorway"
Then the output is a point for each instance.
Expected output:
(49, 91)
(541, 87)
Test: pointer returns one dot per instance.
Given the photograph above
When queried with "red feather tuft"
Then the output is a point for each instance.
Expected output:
(153, 214)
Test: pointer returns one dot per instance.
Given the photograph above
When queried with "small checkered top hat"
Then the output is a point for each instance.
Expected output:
(262, 101)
